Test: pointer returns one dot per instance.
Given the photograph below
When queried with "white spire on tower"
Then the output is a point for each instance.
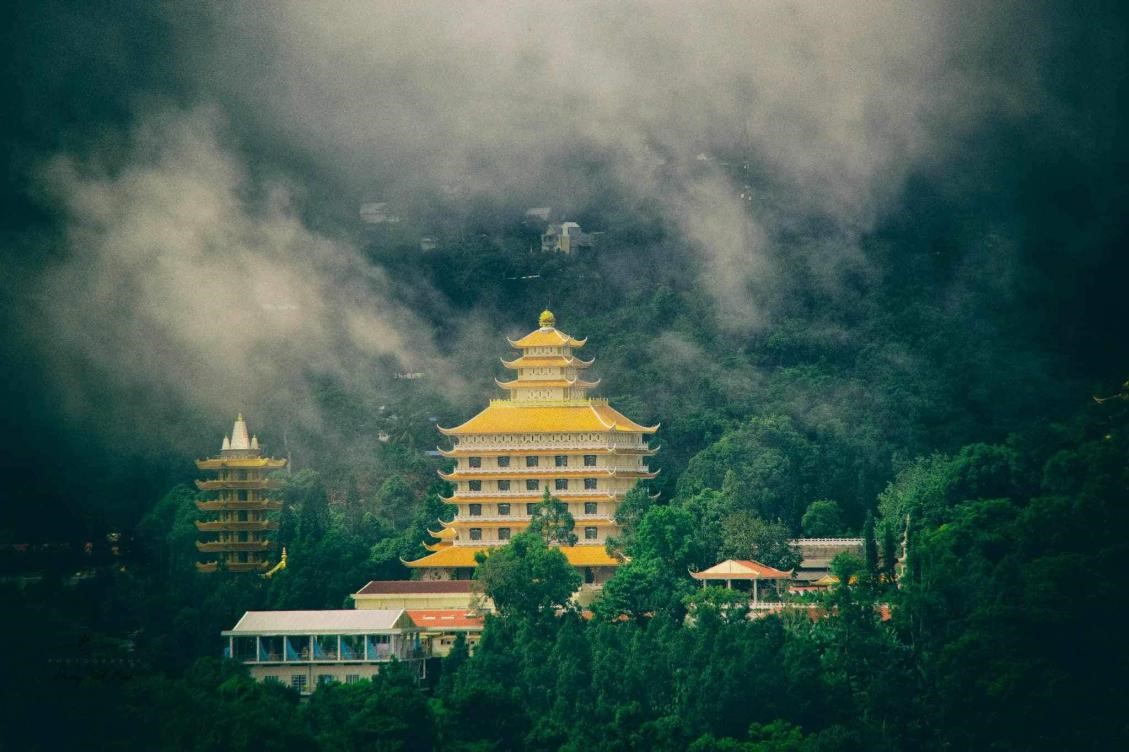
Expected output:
(239, 437)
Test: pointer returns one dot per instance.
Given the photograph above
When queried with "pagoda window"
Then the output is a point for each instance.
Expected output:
(589, 507)
(532, 484)
(474, 485)
(531, 461)
(561, 460)
(590, 533)
(589, 484)
(503, 533)
(503, 485)
(530, 509)
(561, 484)
(474, 461)
(242, 496)
(242, 516)
(504, 509)
(475, 510)
(476, 533)
(589, 460)
(503, 461)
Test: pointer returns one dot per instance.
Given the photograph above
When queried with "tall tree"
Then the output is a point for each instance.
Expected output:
(553, 522)
(527, 577)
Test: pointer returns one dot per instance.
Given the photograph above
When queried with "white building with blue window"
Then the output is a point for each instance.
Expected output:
(303, 649)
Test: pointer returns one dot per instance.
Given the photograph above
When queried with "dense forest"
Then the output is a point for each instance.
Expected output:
(865, 267)
(1013, 523)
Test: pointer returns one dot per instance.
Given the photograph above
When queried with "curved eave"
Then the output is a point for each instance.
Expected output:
(536, 339)
(552, 361)
(637, 429)
(548, 383)
(463, 556)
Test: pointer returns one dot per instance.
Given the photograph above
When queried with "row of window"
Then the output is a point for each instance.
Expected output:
(559, 460)
(532, 484)
(298, 681)
(590, 533)
(504, 509)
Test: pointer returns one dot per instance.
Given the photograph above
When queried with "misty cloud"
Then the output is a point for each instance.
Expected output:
(215, 257)
(183, 274)
(828, 107)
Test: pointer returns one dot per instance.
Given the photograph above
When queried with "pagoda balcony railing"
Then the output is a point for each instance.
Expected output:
(237, 526)
(523, 518)
(220, 505)
(549, 470)
(221, 546)
(532, 494)
(253, 485)
(247, 566)
(514, 446)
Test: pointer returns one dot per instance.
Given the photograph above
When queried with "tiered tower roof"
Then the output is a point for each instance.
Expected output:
(238, 517)
(547, 434)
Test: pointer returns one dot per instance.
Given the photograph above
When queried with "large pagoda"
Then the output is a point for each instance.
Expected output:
(549, 434)
(240, 514)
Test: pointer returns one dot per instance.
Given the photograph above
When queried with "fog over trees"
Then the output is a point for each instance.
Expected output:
(863, 263)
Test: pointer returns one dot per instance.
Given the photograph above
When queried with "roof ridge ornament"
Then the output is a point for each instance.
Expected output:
(547, 319)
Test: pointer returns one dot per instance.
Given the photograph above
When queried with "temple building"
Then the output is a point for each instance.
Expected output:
(239, 516)
(548, 434)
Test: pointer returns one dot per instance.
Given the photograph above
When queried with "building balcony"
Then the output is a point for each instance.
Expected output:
(550, 472)
(233, 546)
(221, 505)
(238, 485)
(247, 566)
(236, 526)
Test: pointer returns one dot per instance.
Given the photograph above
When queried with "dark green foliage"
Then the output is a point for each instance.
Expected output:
(527, 577)
(552, 521)
(745, 536)
(869, 548)
(822, 520)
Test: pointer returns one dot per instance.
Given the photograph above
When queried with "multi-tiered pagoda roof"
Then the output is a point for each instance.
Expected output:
(547, 434)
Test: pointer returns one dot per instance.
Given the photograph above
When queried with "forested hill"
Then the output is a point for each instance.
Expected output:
(865, 265)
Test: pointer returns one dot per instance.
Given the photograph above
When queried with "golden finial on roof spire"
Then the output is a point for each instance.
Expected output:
(547, 318)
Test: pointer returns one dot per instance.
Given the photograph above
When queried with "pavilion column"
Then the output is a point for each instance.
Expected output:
(754, 590)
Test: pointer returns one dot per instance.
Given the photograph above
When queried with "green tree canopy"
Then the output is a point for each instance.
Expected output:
(527, 577)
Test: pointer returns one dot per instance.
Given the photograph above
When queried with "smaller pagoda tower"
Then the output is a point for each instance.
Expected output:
(239, 518)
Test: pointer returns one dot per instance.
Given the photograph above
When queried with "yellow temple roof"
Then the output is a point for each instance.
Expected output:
(512, 417)
(551, 361)
(547, 384)
(460, 451)
(445, 534)
(246, 463)
(546, 337)
(463, 556)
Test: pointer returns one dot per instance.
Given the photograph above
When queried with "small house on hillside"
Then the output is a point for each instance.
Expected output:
(567, 238)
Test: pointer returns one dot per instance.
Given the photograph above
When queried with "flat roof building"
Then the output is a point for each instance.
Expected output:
(303, 649)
